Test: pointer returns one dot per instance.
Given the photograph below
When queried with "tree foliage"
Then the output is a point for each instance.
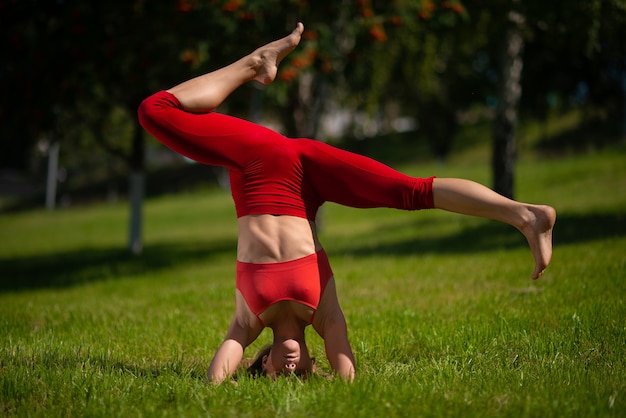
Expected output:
(80, 64)
(76, 62)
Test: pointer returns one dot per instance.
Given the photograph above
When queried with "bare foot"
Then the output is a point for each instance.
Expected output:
(538, 232)
(268, 57)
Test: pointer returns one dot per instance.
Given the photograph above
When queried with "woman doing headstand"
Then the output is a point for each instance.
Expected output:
(284, 280)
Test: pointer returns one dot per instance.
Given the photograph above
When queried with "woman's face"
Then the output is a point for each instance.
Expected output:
(287, 357)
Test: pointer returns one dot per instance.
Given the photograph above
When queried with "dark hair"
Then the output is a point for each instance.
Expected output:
(255, 368)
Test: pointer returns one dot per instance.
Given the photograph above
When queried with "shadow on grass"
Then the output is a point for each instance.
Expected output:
(93, 264)
(55, 358)
(89, 265)
(590, 135)
(488, 236)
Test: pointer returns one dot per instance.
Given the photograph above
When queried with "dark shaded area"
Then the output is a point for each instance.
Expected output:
(160, 181)
(488, 236)
(391, 149)
(589, 135)
(105, 362)
(90, 265)
(93, 264)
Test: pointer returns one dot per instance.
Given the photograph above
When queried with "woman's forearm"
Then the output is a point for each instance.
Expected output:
(338, 350)
(225, 361)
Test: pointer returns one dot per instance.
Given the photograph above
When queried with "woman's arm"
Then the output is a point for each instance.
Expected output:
(330, 323)
(338, 348)
(226, 360)
(243, 330)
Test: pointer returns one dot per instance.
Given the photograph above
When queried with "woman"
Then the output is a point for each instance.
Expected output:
(284, 280)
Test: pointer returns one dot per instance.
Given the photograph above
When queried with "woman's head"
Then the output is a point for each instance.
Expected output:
(287, 357)
(284, 357)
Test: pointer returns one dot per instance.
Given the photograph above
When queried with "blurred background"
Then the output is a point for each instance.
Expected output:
(403, 81)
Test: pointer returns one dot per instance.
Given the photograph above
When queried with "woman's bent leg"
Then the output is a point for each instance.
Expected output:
(208, 91)
(181, 117)
(208, 138)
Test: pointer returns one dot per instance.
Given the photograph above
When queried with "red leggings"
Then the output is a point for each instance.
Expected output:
(273, 174)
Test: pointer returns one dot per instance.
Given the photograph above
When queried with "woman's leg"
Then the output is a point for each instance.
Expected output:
(470, 198)
(354, 180)
(181, 118)
(208, 91)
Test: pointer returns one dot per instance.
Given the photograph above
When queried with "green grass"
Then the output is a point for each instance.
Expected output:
(443, 318)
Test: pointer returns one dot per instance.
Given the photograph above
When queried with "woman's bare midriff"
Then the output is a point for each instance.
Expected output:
(275, 238)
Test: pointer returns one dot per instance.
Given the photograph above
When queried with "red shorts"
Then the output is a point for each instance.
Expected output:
(302, 280)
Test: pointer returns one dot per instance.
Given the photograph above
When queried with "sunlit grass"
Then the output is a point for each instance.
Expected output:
(443, 318)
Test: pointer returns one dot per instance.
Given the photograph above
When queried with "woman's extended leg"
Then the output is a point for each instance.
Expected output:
(470, 198)
(208, 91)
(357, 181)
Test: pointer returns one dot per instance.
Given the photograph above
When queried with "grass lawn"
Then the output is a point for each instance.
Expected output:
(443, 318)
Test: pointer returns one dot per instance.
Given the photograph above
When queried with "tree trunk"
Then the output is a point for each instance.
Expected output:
(504, 146)
(53, 171)
(624, 103)
(136, 192)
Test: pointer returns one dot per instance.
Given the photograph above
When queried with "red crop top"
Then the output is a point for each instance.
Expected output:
(272, 174)
(273, 182)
